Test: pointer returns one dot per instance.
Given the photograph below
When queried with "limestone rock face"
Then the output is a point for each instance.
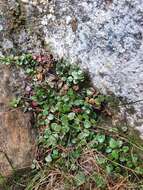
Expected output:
(17, 138)
(103, 36)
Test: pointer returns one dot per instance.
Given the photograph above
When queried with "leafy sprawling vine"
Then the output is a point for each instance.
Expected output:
(74, 150)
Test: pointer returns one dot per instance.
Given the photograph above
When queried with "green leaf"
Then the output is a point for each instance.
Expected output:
(53, 109)
(129, 164)
(65, 108)
(93, 121)
(64, 78)
(135, 158)
(70, 93)
(100, 138)
(55, 154)
(45, 112)
(64, 120)
(80, 72)
(34, 98)
(46, 122)
(73, 167)
(75, 74)
(87, 124)
(122, 158)
(125, 149)
(15, 102)
(115, 154)
(139, 170)
(85, 133)
(113, 143)
(120, 143)
(80, 179)
(77, 121)
(48, 158)
(108, 150)
(55, 127)
(78, 102)
(29, 70)
(99, 180)
(70, 78)
(109, 168)
(65, 129)
(51, 141)
(71, 115)
(76, 154)
(101, 160)
(85, 116)
(50, 117)
(89, 92)
(47, 133)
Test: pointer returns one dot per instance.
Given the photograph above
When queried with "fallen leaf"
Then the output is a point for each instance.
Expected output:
(39, 76)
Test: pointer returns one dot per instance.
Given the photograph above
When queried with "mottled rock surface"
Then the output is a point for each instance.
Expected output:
(104, 36)
(17, 138)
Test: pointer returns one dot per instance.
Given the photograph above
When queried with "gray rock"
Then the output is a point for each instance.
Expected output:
(108, 41)
(103, 36)
(7, 44)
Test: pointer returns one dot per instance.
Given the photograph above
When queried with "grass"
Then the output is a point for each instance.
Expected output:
(75, 151)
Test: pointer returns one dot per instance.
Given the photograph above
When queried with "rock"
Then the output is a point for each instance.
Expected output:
(17, 142)
(105, 37)
(107, 40)
(17, 138)
(7, 44)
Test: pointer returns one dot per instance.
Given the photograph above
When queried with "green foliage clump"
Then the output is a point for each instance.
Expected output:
(69, 73)
(68, 117)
